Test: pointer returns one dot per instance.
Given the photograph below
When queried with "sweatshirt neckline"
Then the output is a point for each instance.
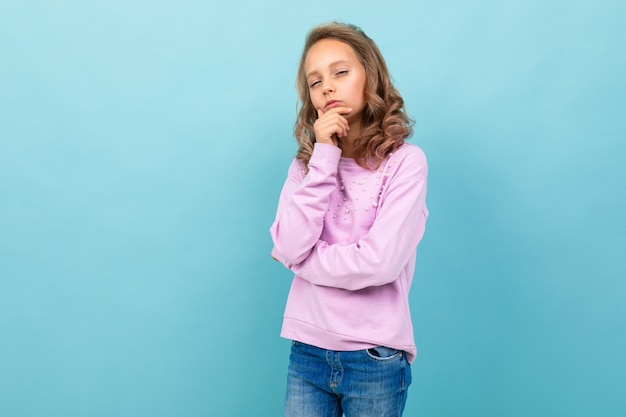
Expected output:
(348, 162)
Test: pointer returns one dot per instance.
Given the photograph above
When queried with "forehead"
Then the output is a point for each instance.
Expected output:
(326, 52)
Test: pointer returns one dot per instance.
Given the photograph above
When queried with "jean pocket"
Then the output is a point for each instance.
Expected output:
(382, 353)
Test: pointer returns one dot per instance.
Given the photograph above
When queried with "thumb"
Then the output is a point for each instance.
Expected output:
(320, 112)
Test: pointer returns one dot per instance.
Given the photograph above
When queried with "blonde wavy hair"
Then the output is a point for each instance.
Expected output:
(384, 119)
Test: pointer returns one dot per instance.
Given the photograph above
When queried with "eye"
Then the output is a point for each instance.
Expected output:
(341, 72)
(314, 83)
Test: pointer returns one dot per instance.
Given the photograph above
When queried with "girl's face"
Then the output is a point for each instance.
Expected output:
(335, 77)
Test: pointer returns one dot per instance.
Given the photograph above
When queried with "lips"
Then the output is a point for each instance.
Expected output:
(332, 103)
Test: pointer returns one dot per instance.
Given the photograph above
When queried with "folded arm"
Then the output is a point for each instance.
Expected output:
(303, 204)
(378, 257)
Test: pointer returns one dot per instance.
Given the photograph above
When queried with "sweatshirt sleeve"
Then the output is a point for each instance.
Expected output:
(379, 256)
(302, 205)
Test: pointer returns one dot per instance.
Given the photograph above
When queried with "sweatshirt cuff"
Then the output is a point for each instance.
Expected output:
(325, 154)
(279, 258)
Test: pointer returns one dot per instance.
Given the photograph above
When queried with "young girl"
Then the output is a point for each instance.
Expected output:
(350, 216)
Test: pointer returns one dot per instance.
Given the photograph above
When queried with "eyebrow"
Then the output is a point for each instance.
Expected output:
(340, 61)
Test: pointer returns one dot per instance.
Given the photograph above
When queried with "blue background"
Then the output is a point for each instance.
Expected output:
(143, 145)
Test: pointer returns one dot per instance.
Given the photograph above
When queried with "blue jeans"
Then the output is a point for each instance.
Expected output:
(362, 383)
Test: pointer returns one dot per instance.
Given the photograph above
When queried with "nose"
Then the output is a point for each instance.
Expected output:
(328, 89)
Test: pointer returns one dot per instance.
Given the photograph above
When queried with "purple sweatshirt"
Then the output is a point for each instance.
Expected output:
(350, 236)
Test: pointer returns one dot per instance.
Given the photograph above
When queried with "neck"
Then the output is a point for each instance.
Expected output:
(347, 144)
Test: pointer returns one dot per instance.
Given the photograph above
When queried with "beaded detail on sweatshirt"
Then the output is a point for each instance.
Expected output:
(354, 204)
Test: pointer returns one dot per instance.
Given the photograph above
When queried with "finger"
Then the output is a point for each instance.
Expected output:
(340, 110)
(344, 125)
(338, 125)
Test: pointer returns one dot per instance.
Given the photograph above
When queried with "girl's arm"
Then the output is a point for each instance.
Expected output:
(379, 256)
(303, 203)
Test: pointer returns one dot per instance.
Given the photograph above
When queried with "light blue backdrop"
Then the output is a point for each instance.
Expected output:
(143, 145)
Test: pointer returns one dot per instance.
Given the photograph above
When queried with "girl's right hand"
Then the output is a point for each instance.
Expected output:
(331, 125)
